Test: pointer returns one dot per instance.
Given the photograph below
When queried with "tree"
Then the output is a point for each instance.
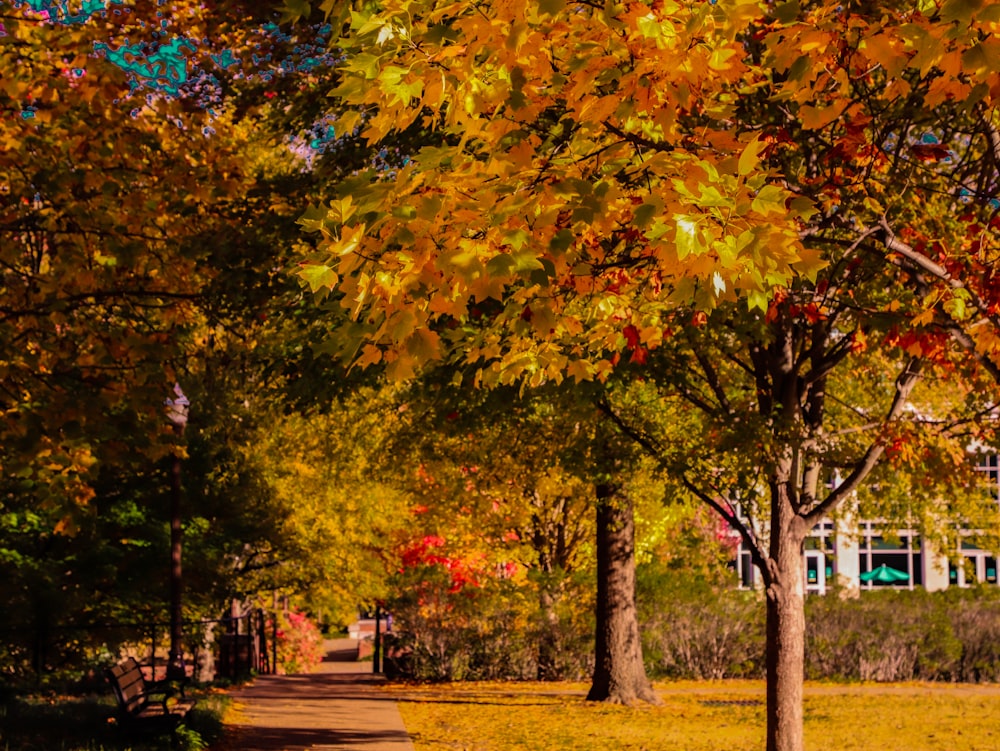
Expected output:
(887, 129)
(504, 480)
(601, 167)
(602, 212)
(127, 184)
(104, 217)
(335, 512)
(509, 478)
(619, 672)
(901, 145)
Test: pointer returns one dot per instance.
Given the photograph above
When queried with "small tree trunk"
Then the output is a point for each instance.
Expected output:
(619, 673)
(786, 627)
(548, 640)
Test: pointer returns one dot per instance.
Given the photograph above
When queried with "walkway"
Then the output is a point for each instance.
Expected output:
(337, 708)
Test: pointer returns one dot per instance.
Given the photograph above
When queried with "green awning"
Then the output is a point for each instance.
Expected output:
(885, 574)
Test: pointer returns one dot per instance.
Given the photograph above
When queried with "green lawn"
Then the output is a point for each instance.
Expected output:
(720, 716)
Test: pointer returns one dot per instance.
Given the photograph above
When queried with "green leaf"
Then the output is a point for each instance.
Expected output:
(803, 208)
(712, 197)
(757, 300)
(770, 200)
(561, 241)
(551, 7)
(960, 10)
(644, 215)
(788, 13)
(516, 239)
(526, 260)
(981, 57)
(686, 238)
(500, 265)
(318, 276)
(293, 10)
(312, 218)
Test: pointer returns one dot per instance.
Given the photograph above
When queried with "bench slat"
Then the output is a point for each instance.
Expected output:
(134, 693)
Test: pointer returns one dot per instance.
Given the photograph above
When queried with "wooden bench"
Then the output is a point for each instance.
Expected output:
(147, 703)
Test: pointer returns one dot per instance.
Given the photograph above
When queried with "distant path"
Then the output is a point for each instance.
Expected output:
(336, 708)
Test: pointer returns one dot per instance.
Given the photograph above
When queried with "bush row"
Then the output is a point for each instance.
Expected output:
(880, 635)
(698, 631)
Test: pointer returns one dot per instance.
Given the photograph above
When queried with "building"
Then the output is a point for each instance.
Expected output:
(851, 554)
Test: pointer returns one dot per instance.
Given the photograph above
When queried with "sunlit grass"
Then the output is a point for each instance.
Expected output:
(697, 717)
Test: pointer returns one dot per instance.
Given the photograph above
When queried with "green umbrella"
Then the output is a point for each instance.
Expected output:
(885, 574)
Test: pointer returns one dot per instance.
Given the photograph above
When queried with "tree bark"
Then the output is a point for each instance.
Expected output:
(786, 625)
(619, 673)
(548, 640)
(175, 661)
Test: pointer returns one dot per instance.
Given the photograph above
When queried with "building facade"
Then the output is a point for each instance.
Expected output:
(851, 553)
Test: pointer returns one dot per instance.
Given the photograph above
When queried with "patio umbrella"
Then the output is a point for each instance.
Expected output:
(885, 574)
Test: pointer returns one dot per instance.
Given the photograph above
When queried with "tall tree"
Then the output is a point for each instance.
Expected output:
(556, 212)
(619, 672)
(130, 260)
(601, 166)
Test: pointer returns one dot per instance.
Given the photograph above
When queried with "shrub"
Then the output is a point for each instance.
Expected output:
(299, 643)
(975, 619)
(883, 636)
(694, 629)
(492, 630)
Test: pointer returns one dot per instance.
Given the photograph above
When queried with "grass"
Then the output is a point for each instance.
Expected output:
(68, 723)
(694, 716)
(697, 716)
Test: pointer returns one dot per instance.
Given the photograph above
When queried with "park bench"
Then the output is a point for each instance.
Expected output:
(152, 704)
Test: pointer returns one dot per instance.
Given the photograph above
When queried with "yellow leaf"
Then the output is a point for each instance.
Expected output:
(750, 157)
(720, 58)
(924, 318)
(810, 263)
(881, 49)
(369, 356)
(815, 118)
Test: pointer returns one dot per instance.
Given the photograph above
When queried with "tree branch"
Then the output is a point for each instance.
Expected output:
(650, 444)
(905, 383)
(731, 518)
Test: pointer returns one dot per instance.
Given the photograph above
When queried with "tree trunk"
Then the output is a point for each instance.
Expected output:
(548, 640)
(175, 661)
(786, 626)
(619, 673)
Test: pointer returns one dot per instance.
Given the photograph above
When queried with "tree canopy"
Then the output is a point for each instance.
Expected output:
(810, 184)
(575, 183)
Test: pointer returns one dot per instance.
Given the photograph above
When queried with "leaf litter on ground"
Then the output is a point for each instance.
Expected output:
(695, 716)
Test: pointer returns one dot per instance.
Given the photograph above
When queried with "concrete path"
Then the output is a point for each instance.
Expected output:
(337, 708)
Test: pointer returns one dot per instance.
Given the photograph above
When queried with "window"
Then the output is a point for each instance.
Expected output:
(820, 557)
(744, 564)
(989, 464)
(903, 559)
(980, 566)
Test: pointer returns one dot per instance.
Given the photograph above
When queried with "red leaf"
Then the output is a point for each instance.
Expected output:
(631, 334)
(930, 152)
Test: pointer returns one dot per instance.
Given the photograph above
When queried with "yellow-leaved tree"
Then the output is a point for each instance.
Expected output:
(589, 169)
(575, 180)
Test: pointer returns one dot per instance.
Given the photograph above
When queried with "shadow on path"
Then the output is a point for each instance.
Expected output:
(339, 707)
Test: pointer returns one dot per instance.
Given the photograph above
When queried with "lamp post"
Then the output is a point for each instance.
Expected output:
(177, 414)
